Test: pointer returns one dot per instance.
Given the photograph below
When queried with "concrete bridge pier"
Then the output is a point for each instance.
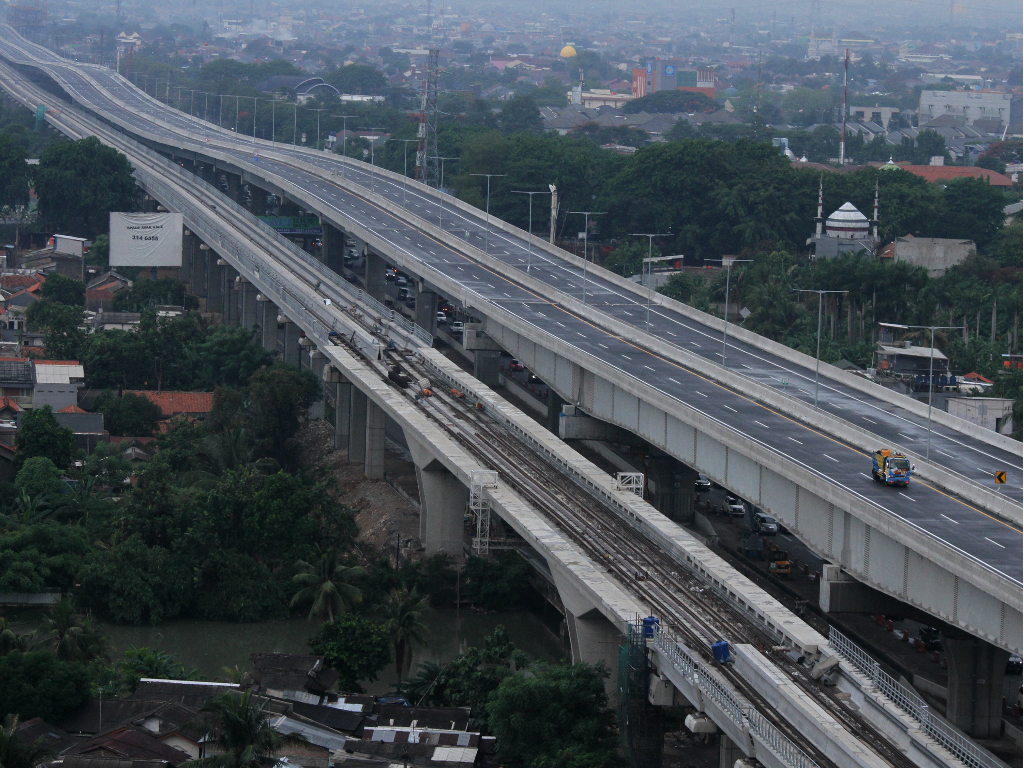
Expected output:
(201, 271)
(670, 485)
(443, 500)
(266, 317)
(426, 310)
(728, 752)
(592, 637)
(188, 253)
(306, 348)
(317, 363)
(342, 396)
(249, 305)
(332, 252)
(375, 266)
(555, 404)
(487, 365)
(215, 283)
(289, 342)
(975, 685)
(223, 279)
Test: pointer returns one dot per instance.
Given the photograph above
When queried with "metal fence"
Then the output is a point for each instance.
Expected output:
(908, 700)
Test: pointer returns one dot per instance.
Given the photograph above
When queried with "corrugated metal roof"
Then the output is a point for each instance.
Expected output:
(16, 370)
(58, 374)
(454, 755)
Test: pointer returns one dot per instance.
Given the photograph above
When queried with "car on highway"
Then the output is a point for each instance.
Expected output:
(515, 366)
(442, 318)
(401, 280)
(765, 525)
(389, 275)
(458, 327)
(702, 484)
(736, 506)
(410, 301)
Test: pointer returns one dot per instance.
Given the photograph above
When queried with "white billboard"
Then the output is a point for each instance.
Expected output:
(145, 239)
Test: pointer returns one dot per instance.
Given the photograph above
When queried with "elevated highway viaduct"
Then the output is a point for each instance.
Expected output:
(946, 545)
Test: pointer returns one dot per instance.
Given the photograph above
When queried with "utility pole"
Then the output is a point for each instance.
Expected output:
(650, 265)
(554, 212)
(725, 325)
(846, 80)
(487, 228)
(440, 190)
(529, 261)
(817, 355)
(586, 228)
(344, 140)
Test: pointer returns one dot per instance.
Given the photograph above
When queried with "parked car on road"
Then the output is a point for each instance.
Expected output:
(515, 365)
(702, 484)
(442, 318)
(765, 525)
(736, 507)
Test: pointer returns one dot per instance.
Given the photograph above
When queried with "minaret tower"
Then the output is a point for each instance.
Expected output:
(819, 220)
(874, 218)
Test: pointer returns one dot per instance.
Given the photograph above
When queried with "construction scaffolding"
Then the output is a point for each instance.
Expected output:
(641, 730)
(630, 482)
(479, 506)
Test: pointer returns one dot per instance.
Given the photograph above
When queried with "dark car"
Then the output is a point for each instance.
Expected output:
(702, 484)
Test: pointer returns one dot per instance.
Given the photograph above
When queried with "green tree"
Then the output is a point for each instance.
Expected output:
(275, 399)
(39, 476)
(129, 415)
(116, 359)
(357, 649)
(147, 293)
(557, 716)
(39, 434)
(140, 662)
(15, 752)
(359, 79)
(80, 182)
(672, 102)
(972, 209)
(326, 586)
(494, 583)
(38, 684)
(11, 640)
(63, 337)
(14, 175)
(65, 290)
(242, 733)
(71, 636)
(228, 357)
(404, 610)
(520, 113)
(628, 259)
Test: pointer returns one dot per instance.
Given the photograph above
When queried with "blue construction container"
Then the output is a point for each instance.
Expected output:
(721, 651)
(649, 624)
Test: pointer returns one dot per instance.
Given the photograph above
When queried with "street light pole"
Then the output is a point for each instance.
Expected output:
(440, 191)
(318, 110)
(817, 355)
(373, 143)
(725, 325)
(931, 369)
(487, 229)
(405, 165)
(650, 266)
(529, 239)
(344, 140)
(586, 229)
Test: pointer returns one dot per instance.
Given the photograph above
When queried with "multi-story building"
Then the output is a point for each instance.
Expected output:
(966, 105)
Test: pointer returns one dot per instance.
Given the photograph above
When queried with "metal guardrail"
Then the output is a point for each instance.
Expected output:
(756, 724)
(908, 700)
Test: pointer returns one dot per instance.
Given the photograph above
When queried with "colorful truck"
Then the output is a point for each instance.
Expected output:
(890, 467)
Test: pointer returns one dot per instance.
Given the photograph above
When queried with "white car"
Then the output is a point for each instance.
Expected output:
(458, 327)
(736, 507)
(442, 318)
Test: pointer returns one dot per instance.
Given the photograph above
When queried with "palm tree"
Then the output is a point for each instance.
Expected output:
(237, 675)
(241, 733)
(327, 584)
(70, 635)
(404, 611)
(14, 752)
(11, 641)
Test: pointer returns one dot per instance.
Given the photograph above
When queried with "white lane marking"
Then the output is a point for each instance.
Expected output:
(901, 493)
(730, 408)
(796, 441)
(995, 542)
(673, 380)
(763, 425)
(670, 333)
(957, 522)
(627, 357)
(867, 419)
(944, 453)
(905, 437)
(602, 345)
(830, 457)
(649, 368)
(695, 344)
(702, 394)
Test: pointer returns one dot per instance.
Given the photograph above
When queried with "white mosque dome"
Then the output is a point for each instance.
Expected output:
(848, 223)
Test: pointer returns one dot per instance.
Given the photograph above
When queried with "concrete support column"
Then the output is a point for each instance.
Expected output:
(201, 271)
(215, 284)
(342, 413)
(426, 311)
(333, 247)
(592, 637)
(227, 292)
(373, 463)
(487, 366)
(249, 313)
(267, 316)
(317, 363)
(188, 250)
(290, 353)
(442, 510)
(375, 267)
(357, 427)
(306, 348)
(975, 685)
(555, 404)
(728, 752)
(234, 186)
(670, 485)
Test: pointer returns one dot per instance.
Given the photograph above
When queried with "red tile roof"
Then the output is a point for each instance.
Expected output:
(72, 409)
(57, 362)
(972, 376)
(19, 281)
(949, 172)
(172, 403)
(8, 402)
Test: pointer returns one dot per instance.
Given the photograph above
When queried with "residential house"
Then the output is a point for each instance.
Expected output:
(56, 383)
(57, 740)
(194, 405)
(16, 380)
(116, 321)
(293, 676)
(131, 742)
(936, 254)
(905, 359)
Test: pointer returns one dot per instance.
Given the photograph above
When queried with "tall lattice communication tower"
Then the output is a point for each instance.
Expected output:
(426, 149)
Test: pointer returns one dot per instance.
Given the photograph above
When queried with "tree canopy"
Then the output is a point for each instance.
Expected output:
(39, 434)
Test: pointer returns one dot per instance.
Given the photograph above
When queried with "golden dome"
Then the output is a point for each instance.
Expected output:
(568, 52)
